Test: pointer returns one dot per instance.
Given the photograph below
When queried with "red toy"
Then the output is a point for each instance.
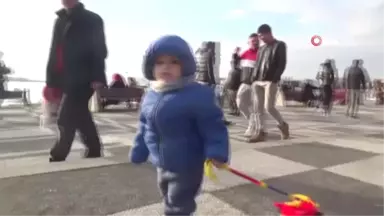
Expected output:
(299, 205)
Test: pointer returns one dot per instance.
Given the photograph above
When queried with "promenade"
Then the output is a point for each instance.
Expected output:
(335, 160)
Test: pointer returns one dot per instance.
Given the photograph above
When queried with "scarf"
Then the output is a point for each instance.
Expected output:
(160, 86)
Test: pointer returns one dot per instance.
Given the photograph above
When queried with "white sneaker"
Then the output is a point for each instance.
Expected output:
(249, 132)
(251, 127)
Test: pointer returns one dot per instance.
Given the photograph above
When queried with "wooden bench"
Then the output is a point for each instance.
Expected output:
(128, 95)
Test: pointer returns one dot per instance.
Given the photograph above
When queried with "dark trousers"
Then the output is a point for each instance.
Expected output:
(231, 98)
(327, 98)
(179, 190)
(74, 115)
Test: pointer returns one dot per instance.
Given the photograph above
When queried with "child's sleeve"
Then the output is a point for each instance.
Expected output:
(210, 123)
(139, 152)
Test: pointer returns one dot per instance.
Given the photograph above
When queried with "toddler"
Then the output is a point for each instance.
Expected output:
(180, 124)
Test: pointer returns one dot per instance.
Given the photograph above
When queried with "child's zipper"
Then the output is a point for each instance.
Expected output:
(157, 125)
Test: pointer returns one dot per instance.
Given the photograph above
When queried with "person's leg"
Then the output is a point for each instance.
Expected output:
(327, 90)
(233, 94)
(179, 191)
(324, 99)
(245, 106)
(357, 108)
(66, 123)
(355, 102)
(87, 128)
(348, 98)
(258, 115)
(270, 106)
(243, 100)
(330, 93)
(162, 183)
(231, 98)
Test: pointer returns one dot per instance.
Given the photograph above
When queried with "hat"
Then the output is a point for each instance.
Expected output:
(172, 45)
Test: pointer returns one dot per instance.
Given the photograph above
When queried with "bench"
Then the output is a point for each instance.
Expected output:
(23, 96)
(127, 94)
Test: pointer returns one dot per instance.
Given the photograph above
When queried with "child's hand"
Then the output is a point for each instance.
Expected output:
(217, 163)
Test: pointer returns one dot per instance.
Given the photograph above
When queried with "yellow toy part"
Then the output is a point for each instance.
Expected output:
(209, 170)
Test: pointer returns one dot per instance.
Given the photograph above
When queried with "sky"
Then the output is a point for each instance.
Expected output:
(349, 29)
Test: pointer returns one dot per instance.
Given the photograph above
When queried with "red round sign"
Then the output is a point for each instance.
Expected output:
(316, 40)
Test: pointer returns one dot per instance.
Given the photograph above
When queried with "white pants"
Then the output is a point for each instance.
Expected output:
(244, 100)
(245, 105)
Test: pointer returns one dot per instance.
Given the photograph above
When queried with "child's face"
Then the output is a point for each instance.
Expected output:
(167, 68)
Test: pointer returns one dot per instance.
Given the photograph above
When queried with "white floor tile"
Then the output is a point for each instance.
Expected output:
(368, 170)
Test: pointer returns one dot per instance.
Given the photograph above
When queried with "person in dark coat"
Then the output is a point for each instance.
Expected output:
(354, 81)
(204, 65)
(232, 83)
(76, 66)
(205, 75)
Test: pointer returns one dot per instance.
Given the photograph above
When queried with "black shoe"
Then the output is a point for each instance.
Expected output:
(226, 122)
(52, 159)
(92, 154)
(234, 113)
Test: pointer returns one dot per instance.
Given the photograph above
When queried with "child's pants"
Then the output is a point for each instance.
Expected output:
(179, 190)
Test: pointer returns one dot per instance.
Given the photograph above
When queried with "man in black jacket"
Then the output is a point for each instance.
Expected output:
(354, 82)
(76, 66)
(270, 65)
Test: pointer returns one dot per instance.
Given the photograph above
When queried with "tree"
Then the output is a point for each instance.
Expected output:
(4, 70)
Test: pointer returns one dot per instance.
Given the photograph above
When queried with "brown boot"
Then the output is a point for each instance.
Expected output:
(284, 128)
(259, 137)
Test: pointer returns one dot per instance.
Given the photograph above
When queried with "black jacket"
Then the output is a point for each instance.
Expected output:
(354, 78)
(79, 34)
(274, 58)
(204, 66)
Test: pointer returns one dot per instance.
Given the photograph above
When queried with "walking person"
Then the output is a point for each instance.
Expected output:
(204, 69)
(180, 125)
(354, 81)
(76, 66)
(232, 83)
(270, 65)
(244, 93)
(326, 76)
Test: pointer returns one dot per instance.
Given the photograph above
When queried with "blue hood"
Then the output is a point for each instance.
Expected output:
(169, 45)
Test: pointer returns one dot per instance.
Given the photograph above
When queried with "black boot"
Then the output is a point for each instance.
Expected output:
(52, 159)
(92, 154)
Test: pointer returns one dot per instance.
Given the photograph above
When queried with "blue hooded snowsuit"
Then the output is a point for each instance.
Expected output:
(179, 130)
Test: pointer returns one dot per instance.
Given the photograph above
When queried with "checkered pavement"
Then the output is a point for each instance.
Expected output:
(337, 161)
